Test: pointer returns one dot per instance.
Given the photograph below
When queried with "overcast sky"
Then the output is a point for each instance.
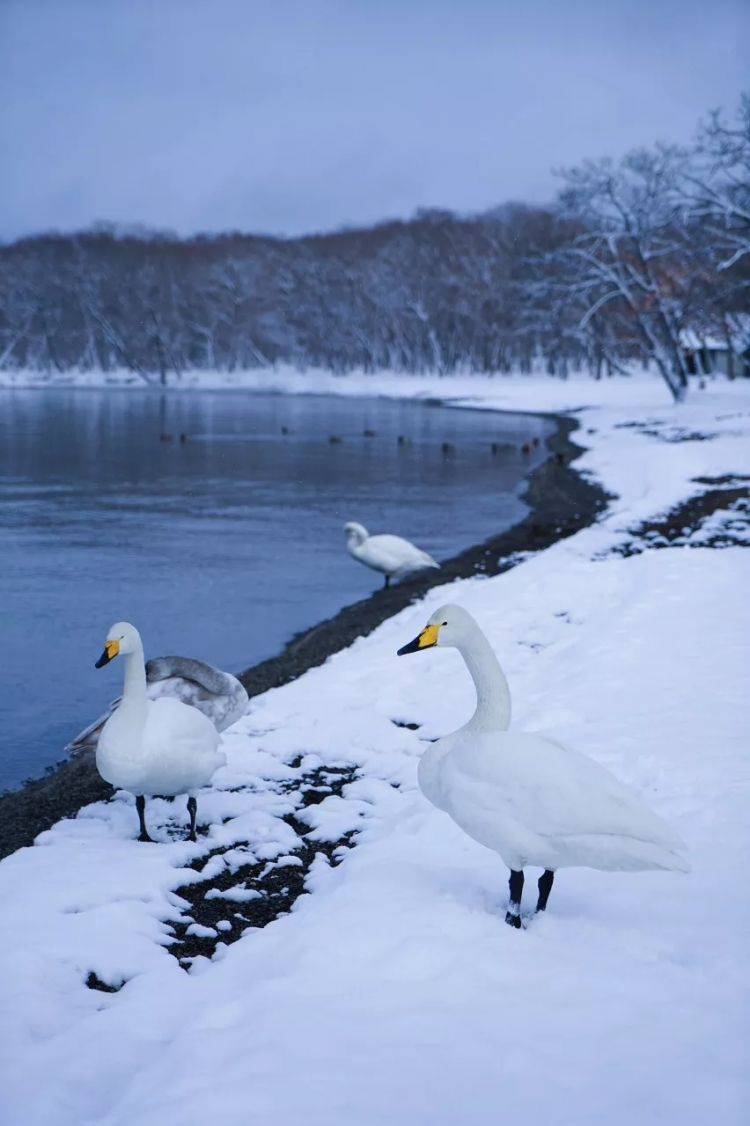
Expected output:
(288, 116)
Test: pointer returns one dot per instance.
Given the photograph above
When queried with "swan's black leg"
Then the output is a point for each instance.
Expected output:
(515, 883)
(192, 805)
(140, 805)
(387, 582)
(545, 887)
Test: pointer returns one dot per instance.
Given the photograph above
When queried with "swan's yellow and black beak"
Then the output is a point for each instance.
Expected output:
(425, 640)
(111, 649)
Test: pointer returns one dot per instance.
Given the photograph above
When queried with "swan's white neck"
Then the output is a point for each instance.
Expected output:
(493, 695)
(134, 698)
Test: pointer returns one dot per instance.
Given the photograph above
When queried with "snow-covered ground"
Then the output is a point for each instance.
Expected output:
(395, 993)
(641, 390)
(529, 391)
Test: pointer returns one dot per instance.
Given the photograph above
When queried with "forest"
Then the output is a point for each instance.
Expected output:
(631, 256)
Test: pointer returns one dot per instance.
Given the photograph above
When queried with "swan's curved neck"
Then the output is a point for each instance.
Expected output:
(134, 688)
(493, 695)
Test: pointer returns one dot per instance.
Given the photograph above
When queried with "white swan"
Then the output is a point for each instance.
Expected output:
(391, 555)
(217, 694)
(151, 747)
(526, 797)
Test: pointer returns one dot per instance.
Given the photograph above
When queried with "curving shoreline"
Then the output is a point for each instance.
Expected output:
(561, 503)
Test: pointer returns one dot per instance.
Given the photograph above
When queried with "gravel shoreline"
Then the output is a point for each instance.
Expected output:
(561, 503)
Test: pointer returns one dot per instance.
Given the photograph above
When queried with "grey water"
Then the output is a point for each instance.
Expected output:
(221, 546)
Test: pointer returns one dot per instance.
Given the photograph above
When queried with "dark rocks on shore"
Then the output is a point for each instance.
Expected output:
(215, 916)
(678, 526)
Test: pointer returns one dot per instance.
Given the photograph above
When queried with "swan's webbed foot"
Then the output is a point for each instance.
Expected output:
(513, 920)
(145, 837)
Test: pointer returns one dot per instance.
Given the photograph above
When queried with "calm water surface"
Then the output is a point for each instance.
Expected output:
(221, 547)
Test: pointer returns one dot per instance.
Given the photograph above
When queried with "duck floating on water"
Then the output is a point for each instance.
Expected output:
(530, 799)
(392, 556)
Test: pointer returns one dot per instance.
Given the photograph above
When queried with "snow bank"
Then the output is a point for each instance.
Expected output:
(395, 993)
(495, 391)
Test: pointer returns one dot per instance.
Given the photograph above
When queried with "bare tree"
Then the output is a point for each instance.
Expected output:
(626, 272)
(633, 255)
(715, 183)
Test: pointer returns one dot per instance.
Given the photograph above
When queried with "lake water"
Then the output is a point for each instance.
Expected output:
(221, 547)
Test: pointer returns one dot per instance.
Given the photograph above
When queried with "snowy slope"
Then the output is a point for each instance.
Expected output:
(395, 993)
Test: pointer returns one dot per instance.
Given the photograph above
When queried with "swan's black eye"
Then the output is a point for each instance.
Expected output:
(445, 623)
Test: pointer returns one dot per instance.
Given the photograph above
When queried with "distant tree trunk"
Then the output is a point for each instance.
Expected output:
(157, 340)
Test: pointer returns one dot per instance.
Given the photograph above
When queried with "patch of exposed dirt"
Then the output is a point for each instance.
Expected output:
(716, 518)
(221, 907)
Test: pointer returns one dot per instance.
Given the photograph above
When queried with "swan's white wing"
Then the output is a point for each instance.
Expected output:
(217, 694)
(87, 739)
(222, 710)
(534, 788)
(392, 554)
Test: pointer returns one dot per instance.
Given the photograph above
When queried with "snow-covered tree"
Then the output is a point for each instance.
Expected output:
(633, 254)
(715, 183)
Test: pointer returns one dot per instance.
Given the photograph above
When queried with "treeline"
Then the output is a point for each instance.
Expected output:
(438, 292)
(628, 257)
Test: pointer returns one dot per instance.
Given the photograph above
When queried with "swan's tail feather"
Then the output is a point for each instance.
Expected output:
(613, 853)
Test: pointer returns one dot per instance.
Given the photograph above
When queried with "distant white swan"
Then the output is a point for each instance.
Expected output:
(391, 555)
(528, 798)
(148, 747)
(217, 694)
